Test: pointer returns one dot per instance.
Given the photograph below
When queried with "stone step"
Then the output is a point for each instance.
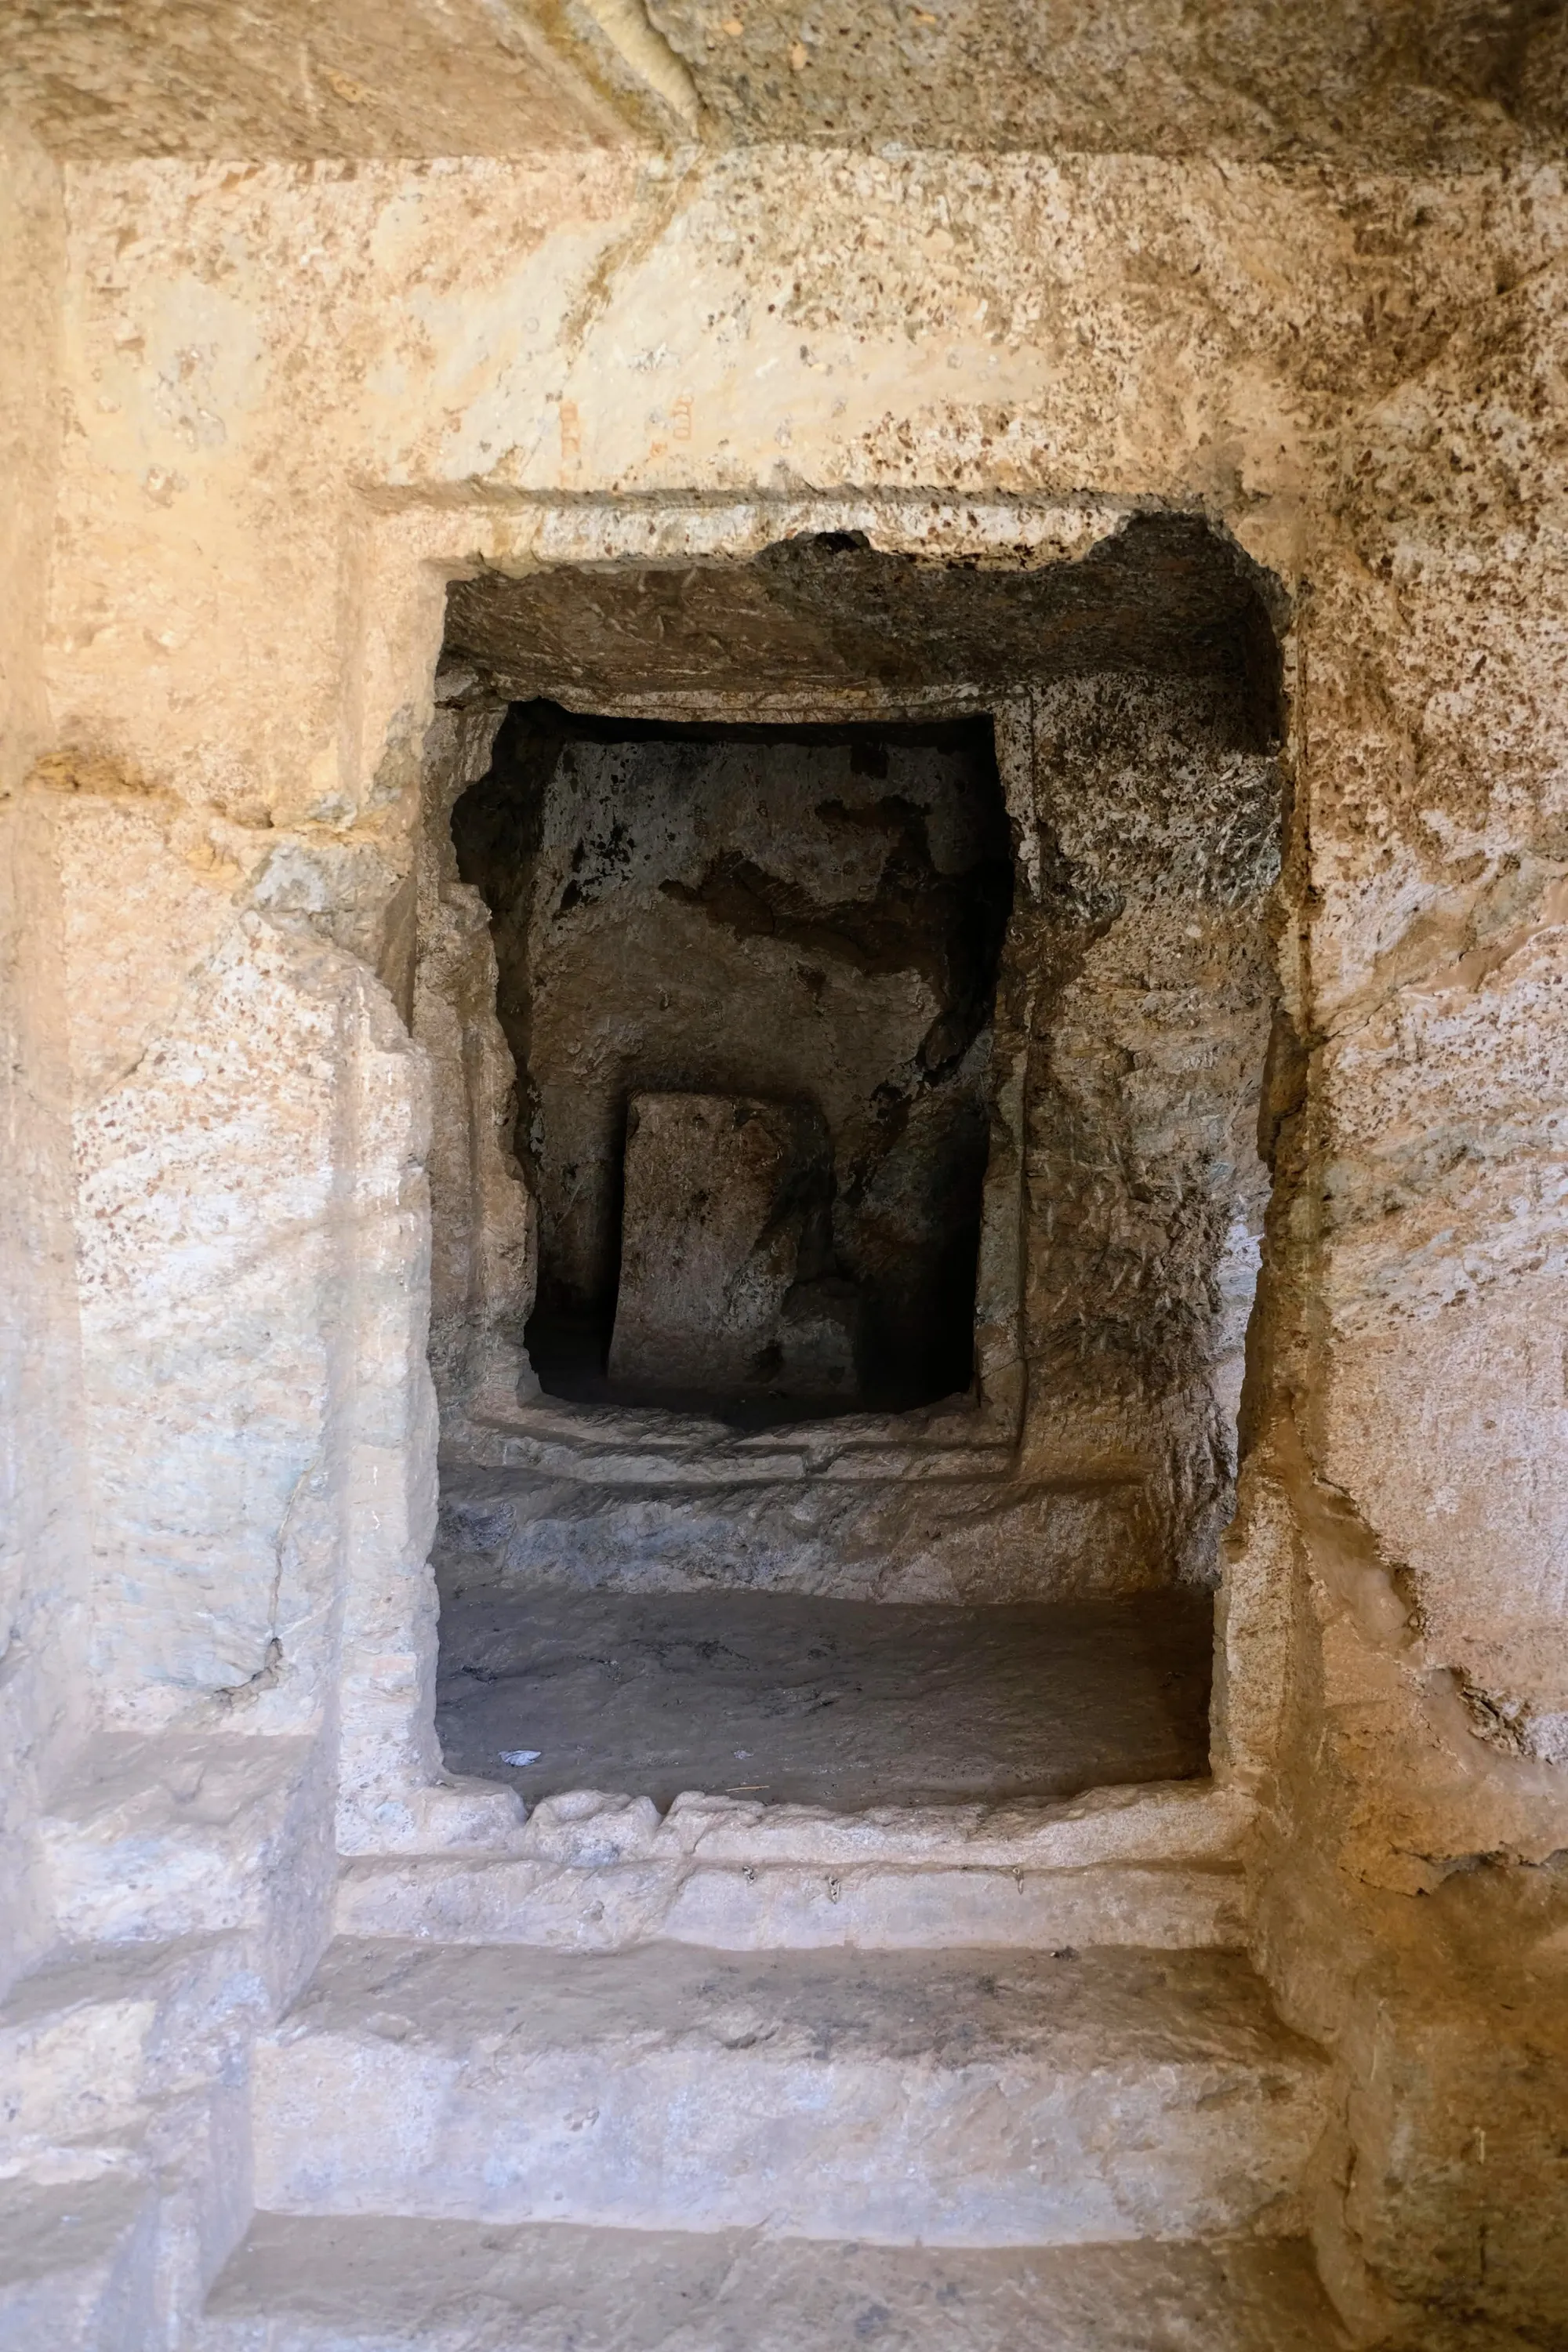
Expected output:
(976, 2098)
(371, 2284)
(179, 1836)
(123, 2139)
(638, 1445)
(94, 2043)
(802, 1906)
(1153, 1867)
(79, 2265)
(175, 1835)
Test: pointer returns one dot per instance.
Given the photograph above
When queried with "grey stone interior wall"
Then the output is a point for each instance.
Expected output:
(810, 915)
(1159, 803)
(658, 921)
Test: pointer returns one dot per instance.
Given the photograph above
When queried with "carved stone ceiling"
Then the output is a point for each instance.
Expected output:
(831, 616)
(1373, 84)
(253, 79)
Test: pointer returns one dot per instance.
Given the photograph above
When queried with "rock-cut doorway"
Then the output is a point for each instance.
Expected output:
(880, 1075)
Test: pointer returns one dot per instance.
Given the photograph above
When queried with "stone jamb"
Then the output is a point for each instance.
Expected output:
(404, 554)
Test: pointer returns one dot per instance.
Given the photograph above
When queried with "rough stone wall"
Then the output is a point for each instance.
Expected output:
(42, 1562)
(273, 372)
(811, 921)
(32, 287)
(1396, 1559)
(484, 1221)
(282, 79)
(247, 1140)
(1160, 813)
(1405, 81)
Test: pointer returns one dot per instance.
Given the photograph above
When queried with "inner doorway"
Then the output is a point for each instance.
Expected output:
(878, 1011)
(747, 975)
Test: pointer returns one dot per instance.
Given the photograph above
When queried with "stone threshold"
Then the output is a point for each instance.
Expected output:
(1156, 1821)
(969, 2097)
(1157, 1866)
(643, 1446)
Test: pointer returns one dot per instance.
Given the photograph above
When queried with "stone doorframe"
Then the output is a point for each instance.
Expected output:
(401, 760)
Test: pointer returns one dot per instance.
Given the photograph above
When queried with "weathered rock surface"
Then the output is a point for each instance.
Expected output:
(368, 2285)
(928, 1901)
(77, 2264)
(283, 80)
(723, 1196)
(1423, 84)
(855, 1537)
(1391, 86)
(258, 415)
(976, 2098)
(118, 2177)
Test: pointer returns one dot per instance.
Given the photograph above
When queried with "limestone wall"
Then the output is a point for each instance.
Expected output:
(300, 398)
(1160, 833)
(42, 1562)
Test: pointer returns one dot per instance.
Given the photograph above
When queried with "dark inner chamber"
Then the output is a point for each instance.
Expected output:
(806, 917)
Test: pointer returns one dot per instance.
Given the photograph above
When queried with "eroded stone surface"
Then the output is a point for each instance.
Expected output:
(856, 1537)
(1114, 2093)
(722, 1197)
(77, 2264)
(285, 80)
(928, 1904)
(1400, 85)
(347, 2285)
(1423, 84)
(264, 412)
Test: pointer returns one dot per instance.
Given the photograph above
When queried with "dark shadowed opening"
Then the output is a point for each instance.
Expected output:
(804, 922)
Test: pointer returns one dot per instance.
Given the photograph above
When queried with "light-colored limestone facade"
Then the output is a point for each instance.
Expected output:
(312, 315)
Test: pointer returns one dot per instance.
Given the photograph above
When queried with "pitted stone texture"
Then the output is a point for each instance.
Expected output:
(979, 2098)
(1422, 84)
(122, 2141)
(284, 80)
(371, 2285)
(720, 1194)
(1160, 816)
(95, 2047)
(153, 1838)
(1388, 86)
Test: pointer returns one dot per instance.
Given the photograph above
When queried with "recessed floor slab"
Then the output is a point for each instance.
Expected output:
(798, 1700)
(370, 2285)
